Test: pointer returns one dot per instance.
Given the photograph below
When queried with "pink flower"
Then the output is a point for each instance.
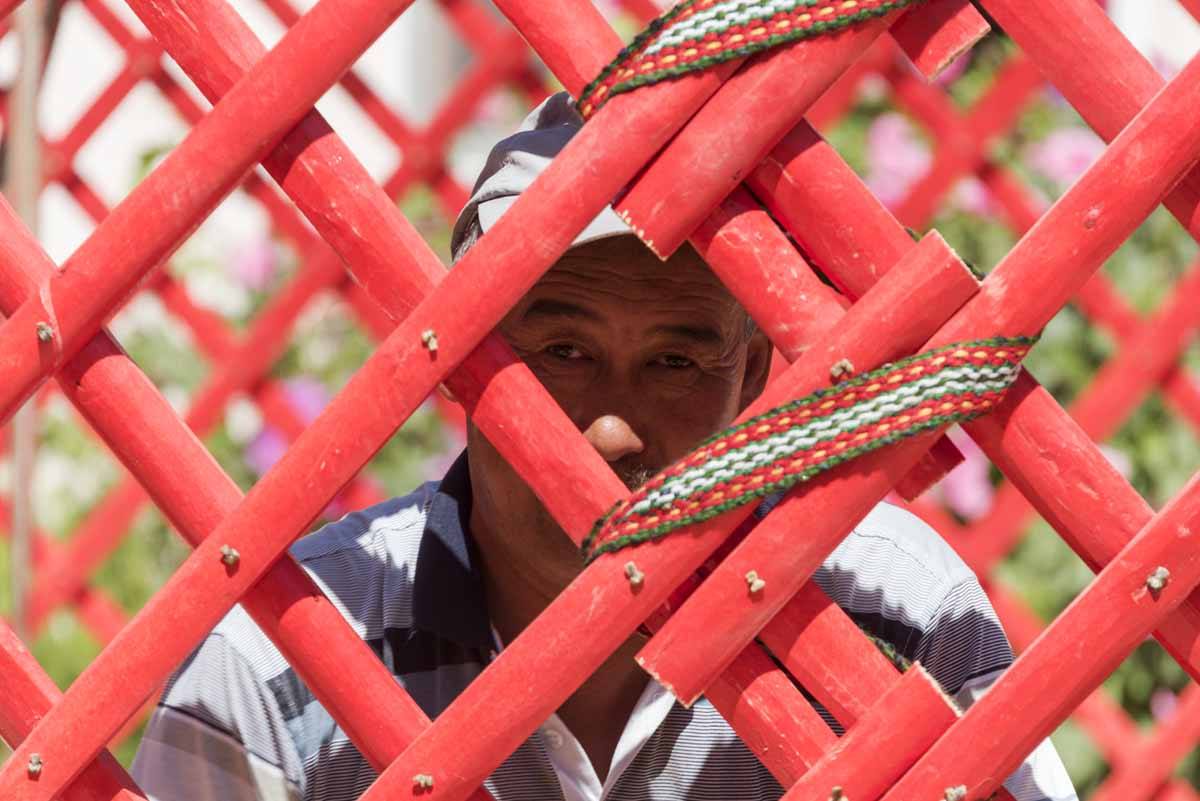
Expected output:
(255, 264)
(610, 9)
(955, 70)
(896, 156)
(972, 197)
(1163, 704)
(1065, 155)
(307, 396)
(967, 489)
(265, 450)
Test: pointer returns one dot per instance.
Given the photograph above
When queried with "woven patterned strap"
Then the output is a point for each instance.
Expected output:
(697, 34)
(794, 442)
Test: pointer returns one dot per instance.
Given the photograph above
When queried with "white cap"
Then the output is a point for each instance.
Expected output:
(517, 160)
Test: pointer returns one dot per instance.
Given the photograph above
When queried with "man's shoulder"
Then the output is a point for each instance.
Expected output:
(391, 529)
(366, 561)
(911, 543)
(363, 562)
(894, 566)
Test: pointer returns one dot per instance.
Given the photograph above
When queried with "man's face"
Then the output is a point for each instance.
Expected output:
(647, 358)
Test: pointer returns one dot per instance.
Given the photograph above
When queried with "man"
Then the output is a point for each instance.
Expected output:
(647, 358)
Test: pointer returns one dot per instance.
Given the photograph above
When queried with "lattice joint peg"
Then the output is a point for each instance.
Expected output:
(836, 794)
(842, 368)
(636, 577)
(45, 332)
(429, 340)
(229, 556)
(423, 781)
(34, 768)
(1157, 580)
(958, 793)
(754, 583)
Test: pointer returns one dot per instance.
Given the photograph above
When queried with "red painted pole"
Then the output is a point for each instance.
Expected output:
(1071, 658)
(466, 305)
(1086, 225)
(597, 611)
(887, 741)
(392, 263)
(734, 131)
(803, 181)
(938, 33)
(241, 129)
(1155, 759)
(25, 693)
(143, 430)
(963, 143)
(1120, 82)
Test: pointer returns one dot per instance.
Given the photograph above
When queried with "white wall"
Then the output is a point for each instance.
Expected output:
(1161, 29)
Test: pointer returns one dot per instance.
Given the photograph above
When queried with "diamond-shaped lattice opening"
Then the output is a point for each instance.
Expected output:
(415, 63)
(84, 60)
(1147, 266)
(377, 152)
(326, 346)
(893, 153)
(1147, 683)
(127, 17)
(1161, 449)
(162, 346)
(231, 260)
(496, 116)
(1068, 355)
(62, 222)
(138, 132)
(151, 551)
(1053, 149)
(426, 210)
(1084, 762)
(1043, 571)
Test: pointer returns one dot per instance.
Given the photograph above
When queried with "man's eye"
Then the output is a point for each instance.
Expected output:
(675, 361)
(565, 351)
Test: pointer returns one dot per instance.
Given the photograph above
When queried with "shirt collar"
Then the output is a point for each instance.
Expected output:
(448, 594)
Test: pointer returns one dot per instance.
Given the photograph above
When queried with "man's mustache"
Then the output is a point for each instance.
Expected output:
(633, 476)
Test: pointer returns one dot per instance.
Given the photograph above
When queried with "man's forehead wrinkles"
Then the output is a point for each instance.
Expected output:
(553, 307)
(620, 286)
(702, 310)
(638, 273)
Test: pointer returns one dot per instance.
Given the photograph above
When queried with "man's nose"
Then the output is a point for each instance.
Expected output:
(613, 437)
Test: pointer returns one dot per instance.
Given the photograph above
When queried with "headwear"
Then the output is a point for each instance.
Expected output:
(517, 160)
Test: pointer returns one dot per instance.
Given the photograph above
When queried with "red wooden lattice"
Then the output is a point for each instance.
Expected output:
(904, 741)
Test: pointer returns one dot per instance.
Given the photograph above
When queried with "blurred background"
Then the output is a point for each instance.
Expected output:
(110, 106)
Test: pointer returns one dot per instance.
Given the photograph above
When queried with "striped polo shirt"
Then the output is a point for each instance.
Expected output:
(236, 723)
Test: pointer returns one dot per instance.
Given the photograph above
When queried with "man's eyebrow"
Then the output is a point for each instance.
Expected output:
(700, 334)
(548, 308)
(544, 308)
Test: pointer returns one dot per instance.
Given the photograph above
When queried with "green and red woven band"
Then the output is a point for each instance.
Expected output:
(698, 34)
(799, 440)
